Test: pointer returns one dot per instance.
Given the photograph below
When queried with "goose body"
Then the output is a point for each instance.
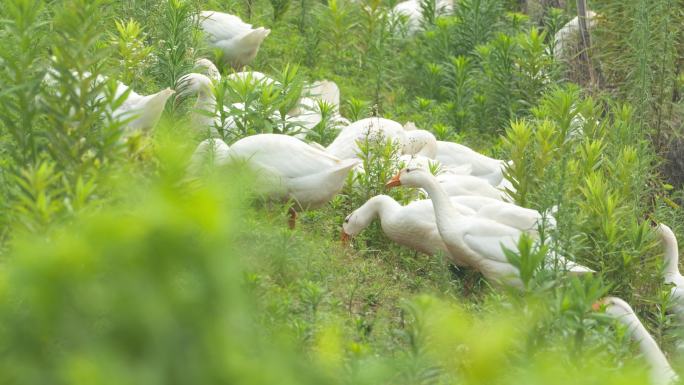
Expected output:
(142, 112)
(205, 115)
(139, 112)
(411, 10)
(468, 185)
(661, 373)
(209, 152)
(419, 142)
(521, 218)
(288, 168)
(345, 147)
(307, 115)
(325, 90)
(253, 76)
(238, 41)
(482, 166)
(208, 69)
(414, 225)
(567, 38)
(411, 142)
(477, 240)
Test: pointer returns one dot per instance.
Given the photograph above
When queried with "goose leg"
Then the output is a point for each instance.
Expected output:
(292, 222)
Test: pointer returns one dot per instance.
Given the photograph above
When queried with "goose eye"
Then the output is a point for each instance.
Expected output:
(408, 170)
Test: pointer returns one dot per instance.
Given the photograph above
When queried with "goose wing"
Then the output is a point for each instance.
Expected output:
(488, 238)
(291, 157)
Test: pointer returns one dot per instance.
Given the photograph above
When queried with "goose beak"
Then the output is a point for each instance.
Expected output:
(596, 306)
(344, 237)
(394, 182)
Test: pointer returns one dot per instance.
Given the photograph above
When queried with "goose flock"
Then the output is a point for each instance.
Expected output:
(467, 215)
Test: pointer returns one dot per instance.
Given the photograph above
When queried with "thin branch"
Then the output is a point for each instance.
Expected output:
(585, 39)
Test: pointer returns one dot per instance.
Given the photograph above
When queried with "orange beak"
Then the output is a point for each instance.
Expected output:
(344, 237)
(394, 182)
(596, 306)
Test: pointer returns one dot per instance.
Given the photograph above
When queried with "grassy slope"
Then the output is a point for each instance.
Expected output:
(364, 288)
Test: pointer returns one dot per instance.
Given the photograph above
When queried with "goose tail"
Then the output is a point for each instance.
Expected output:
(347, 164)
(256, 36)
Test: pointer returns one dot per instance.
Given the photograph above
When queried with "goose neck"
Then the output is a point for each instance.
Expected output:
(206, 102)
(440, 199)
(649, 348)
(671, 257)
(378, 206)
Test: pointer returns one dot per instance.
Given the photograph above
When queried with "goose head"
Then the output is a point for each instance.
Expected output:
(671, 254)
(615, 307)
(660, 370)
(409, 177)
(195, 84)
(360, 218)
(352, 225)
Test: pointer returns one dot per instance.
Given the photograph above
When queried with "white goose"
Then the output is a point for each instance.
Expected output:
(204, 115)
(428, 163)
(287, 168)
(483, 166)
(208, 69)
(468, 185)
(139, 112)
(671, 274)
(326, 90)
(671, 255)
(412, 11)
(414, 225)
(477, 240)
(661, 372)
(510, 214)
(308, 111)
(419, 142)
(565, 40)
(256, 77)
(237, 40)
(456, 180)
(412, 142)
(209, 153)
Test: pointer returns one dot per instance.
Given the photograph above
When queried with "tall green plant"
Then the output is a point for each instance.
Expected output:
(639, 43)
(21, 58)
(177, 36)
(134, 56)
(566, 158)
